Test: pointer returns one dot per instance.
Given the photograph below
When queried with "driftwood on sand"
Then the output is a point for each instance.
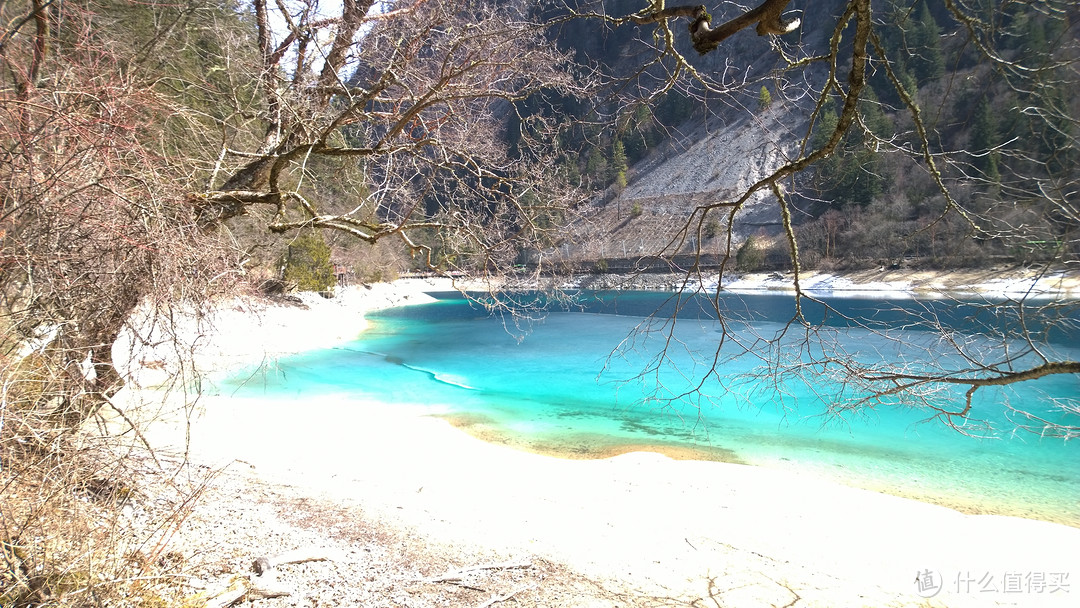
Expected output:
(262, 583)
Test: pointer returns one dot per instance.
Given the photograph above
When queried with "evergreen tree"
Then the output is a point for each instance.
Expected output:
(826, 124)
(1034, 38)
(764, 99)
(674, 108)
(618, 163)
(853, 173)
(307, 263)
(596, 168)
(924, 43)
(1058, 137)
(908, 81)
(984, 136)
(894, 46)
(750, 257)
(642, 133)
(874, 117)
(828, 167)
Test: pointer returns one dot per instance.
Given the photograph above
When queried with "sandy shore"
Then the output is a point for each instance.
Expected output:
(668, 532)
(880, 283)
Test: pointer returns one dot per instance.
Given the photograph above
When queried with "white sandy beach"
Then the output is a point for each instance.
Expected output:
(695, 533)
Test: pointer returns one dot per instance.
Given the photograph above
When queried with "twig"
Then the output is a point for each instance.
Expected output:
(455, 576)
(250, 587)
(228, 595)
(495, 599)
(467, 586)
(135, 429)
(296, 556)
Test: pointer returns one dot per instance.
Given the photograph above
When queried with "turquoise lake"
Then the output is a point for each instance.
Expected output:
(569, 383)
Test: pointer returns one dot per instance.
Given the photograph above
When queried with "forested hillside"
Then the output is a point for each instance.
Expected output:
(1005, 148)
(991, 96)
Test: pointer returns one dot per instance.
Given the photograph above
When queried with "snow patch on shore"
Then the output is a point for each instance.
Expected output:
(890, 285)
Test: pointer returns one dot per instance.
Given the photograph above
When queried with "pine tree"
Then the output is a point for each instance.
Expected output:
(596, 168)
(875, 119)
(618, 163)
(307, 263)
(826, 124)
(852, 174)
(984, 136)
(1057, 143)
(924, 42)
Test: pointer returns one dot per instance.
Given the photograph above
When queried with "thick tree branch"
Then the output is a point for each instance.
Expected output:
(352, 17)
(1001, 379)
(268, 76)
(220, 205)
(768, 16)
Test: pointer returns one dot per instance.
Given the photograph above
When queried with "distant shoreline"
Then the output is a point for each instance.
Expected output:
(328, 321)
(1004, 282)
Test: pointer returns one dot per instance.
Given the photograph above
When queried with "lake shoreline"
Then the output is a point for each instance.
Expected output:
(593, 447)
(1010, 282)
(645, 523)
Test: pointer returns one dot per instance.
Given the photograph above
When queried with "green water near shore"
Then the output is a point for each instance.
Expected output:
(555, 387)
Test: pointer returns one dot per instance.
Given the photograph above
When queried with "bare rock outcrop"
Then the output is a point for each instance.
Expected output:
(711, 164)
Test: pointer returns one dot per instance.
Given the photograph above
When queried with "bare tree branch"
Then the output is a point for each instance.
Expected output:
(768, 16)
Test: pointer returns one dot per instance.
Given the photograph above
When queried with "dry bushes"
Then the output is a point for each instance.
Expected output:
(93, 224)
(78, 526)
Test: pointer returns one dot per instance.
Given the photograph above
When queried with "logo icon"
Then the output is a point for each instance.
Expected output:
(927, 583)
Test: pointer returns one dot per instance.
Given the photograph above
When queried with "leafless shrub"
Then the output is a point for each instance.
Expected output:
(93, 225)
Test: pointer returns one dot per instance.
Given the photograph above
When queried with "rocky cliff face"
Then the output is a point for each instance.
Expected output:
(711, 164)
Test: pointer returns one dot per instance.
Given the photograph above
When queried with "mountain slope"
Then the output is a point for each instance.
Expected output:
(709, 165)
(993, 114)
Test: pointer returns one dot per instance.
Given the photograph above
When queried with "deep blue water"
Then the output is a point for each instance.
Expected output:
(570, 382)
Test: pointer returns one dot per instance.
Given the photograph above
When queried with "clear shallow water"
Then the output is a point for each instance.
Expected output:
(554, 387)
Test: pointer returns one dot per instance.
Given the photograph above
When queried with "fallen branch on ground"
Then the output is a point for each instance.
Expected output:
(250, 587)
(227, 595)
(296, 556)
(495, 599)
(458, 575)
(262, 584)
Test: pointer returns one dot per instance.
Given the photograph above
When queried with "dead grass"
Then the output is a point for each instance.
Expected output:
(76, 529)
